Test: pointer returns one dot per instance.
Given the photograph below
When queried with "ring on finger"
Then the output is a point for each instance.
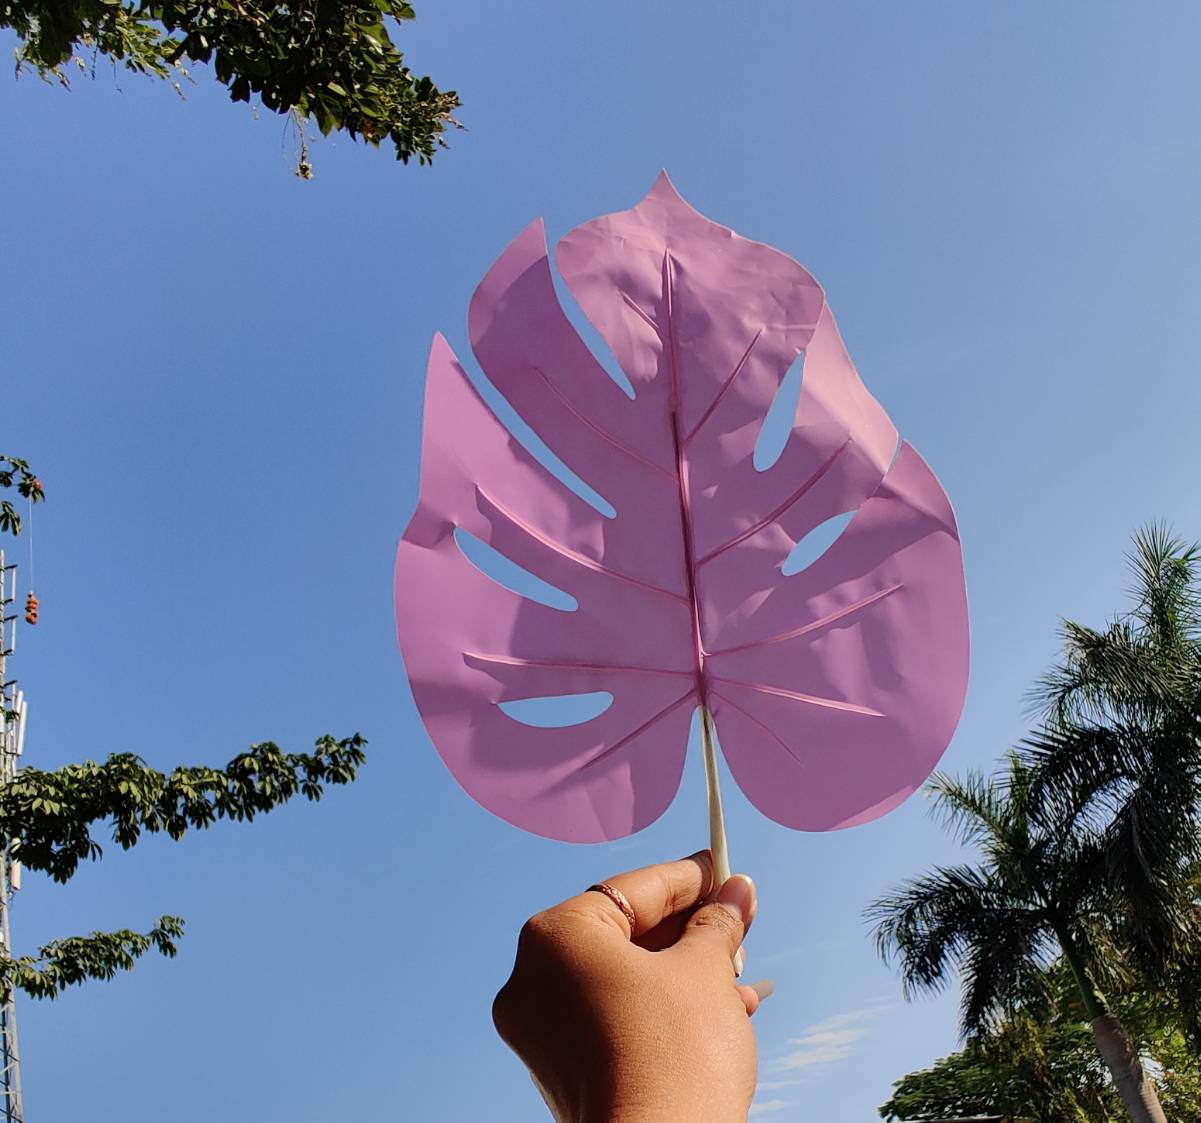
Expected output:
(619, 899)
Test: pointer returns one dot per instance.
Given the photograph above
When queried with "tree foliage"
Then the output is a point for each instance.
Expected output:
(1118, 753)
(1033, 892)
(49, 815)
(49, 819)
(1089, 856)
(62, 963)
(1041, 1063)
(332, 60)
(1025, 1068)
(16, 472)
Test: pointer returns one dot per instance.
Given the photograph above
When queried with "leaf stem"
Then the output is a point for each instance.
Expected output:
(717, 822)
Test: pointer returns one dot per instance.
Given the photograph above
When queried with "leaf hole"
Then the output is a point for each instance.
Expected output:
(507, 573)
(815, 543)
(558, 711)
(780, 418)
(592, 338)
(534, 444)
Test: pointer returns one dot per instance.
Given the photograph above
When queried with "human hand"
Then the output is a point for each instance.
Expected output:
(640, 1023)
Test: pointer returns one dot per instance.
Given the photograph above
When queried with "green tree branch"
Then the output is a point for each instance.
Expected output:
(74, 960)
(333, 60)
(48, 816)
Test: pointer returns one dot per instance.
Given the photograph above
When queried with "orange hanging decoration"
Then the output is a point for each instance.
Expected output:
(31, 602)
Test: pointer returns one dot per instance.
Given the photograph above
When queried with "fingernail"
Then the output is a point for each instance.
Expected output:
(737, 896)
(764, 988)
(739, 963)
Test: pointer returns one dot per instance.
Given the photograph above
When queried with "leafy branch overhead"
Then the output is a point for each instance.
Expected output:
(48, 818)
(332, 60)
(62, 963)
(49, 815)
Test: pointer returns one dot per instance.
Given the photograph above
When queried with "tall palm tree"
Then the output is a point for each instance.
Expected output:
(1038, 889)
(1119, 753)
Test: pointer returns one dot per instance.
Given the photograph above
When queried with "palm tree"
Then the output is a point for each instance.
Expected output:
(1039, 889)
(1119, 755)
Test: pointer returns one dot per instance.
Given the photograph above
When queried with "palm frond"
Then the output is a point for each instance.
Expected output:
(969, 807)
(1003, 969)
(1142, 661)
(1112, 675)
(1090, 832)
(1148, 848)
(929, 922)
(1167, 590)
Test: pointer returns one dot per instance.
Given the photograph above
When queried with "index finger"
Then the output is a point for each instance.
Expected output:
(654, 892)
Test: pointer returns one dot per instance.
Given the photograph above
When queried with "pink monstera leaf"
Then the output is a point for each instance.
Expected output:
(834, 690)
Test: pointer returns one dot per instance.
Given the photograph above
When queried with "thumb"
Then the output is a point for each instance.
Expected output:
(721, 925)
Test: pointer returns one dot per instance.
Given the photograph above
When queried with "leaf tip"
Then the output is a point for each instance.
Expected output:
(664, 198)
(663, 188)
(441, 350)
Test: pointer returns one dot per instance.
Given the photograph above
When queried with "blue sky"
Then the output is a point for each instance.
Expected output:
(217, 370)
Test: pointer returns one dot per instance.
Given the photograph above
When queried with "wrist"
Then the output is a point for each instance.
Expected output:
(678, 1112)
(674, 1114)
(678, 1108)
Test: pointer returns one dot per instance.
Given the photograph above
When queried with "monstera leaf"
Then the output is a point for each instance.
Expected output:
(834, 690)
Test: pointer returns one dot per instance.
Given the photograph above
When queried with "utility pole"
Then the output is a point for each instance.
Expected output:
(13, 709)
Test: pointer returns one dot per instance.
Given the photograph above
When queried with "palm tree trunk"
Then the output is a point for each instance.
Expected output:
(1133, 1085)
(1114, 1044)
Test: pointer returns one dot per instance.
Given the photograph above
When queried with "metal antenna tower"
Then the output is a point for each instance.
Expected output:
(12, 742)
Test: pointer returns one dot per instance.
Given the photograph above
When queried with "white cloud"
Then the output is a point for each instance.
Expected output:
(768, 1107)
(825, 1043)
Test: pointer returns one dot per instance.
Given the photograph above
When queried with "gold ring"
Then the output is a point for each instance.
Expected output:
(619, 899)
